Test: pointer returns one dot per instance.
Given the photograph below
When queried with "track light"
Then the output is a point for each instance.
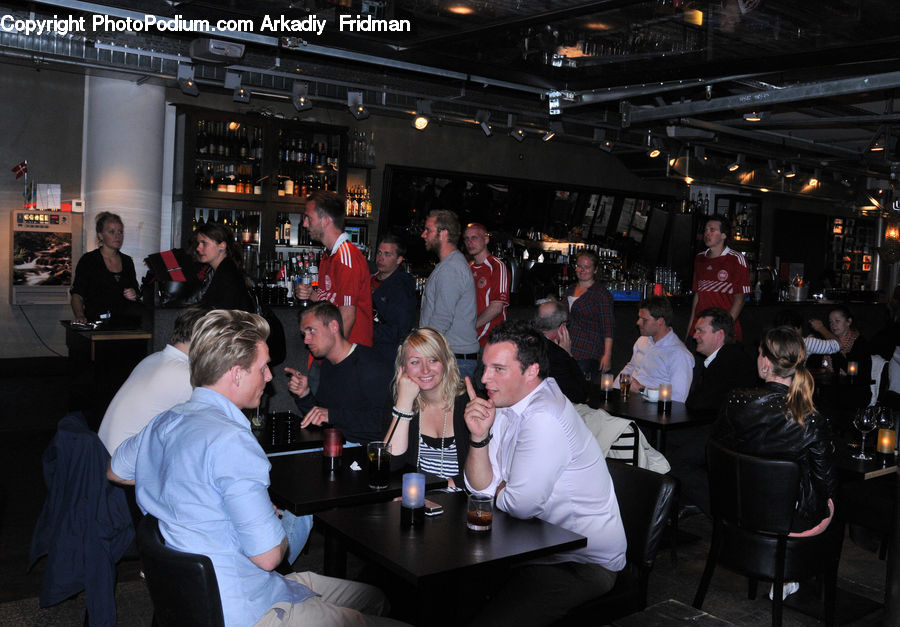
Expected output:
(300, 96)
(877, 144)
(422, 115)
(555, 129)
(653, 150)
(233, 81)
(735, 165)
(700, 153)
(515, 131)
(792, 172)
(755, 116)
(483, 119)
(602, 141)
(186, 80)
(816, 177)
(356, 106)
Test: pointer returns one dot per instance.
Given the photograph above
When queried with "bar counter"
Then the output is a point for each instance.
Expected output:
(869, 318)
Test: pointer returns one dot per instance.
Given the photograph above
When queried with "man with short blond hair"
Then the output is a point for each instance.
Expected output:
(200, 471)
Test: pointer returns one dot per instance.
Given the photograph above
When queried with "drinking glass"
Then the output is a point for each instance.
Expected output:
(625, 386)
(379, 464)
(480, 514)
(865, 422)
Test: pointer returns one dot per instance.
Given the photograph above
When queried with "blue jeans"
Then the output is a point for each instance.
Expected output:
(466, 367)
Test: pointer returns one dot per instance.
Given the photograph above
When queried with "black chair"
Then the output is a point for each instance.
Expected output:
(183, 586)
(645, 500)
(752, 501)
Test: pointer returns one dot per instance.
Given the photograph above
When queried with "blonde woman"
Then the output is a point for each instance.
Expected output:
(427, 428)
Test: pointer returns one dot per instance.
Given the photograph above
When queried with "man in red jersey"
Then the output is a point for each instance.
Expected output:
(343, 272)
(491, 281)
(721, 276)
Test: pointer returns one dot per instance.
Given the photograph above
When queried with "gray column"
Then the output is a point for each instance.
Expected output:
(123, 161)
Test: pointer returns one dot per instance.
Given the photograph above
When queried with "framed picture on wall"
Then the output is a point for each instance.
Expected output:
(625, 215)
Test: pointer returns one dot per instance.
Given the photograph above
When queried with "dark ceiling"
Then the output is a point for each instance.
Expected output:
(615, 73)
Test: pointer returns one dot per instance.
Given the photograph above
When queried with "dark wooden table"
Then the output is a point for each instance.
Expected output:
(648, 415)
(281, 433)
(301, 485)
(858, 470)
(440, 553)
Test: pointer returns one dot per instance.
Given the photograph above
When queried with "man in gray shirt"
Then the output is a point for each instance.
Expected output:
(448, 304)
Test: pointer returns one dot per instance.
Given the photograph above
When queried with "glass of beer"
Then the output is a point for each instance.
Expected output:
(625, 385)
(379, 464)
(480, 514)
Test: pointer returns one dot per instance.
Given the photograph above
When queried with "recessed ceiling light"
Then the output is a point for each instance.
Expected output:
(598, 26)
(460, 9)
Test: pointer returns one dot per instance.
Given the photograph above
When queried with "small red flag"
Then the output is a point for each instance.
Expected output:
(21, 169)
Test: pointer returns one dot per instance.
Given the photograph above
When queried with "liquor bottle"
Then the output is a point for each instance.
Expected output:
(313, 271)
(288, 186)
(200, 221)
(246, 235)
(202, 138)
(244, 150)
(370, 152)
(231, 182)
(286, 230)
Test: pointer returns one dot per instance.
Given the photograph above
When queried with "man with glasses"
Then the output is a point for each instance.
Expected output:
(343, 272)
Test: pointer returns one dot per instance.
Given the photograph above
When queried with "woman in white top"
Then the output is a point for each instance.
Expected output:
(814, 345)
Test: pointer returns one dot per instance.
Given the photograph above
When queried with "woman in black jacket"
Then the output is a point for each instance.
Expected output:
(779, 421)
(228, 287)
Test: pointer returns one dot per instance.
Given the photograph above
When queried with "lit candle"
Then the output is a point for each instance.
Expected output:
(413, 490)
(606, 382)
(851, 367)
(887, 439)
(665, 392)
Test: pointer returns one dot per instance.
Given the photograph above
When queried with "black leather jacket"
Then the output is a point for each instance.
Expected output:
(754, 422)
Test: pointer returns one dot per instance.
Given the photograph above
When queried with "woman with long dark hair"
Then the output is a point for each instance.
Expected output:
(227, 287)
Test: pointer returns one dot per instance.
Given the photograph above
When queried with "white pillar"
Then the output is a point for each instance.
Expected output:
(123, 160)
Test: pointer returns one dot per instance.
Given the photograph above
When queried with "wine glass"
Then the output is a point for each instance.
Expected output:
(865, 422)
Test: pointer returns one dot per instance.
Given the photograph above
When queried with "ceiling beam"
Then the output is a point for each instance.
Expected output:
(807, 91)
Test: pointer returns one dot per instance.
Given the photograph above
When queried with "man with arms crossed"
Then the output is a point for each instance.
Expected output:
(393, 297)
(343, 272)
(448, 303)
(491, 281)
(532, 450)
(721, 276)
(199, 470)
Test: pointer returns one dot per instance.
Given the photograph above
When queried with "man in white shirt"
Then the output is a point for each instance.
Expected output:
(532, 451)
(159, 382)
(658, 355)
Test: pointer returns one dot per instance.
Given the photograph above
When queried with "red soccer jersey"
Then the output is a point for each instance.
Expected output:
(344, 281)
(491, 284)
(717, 280)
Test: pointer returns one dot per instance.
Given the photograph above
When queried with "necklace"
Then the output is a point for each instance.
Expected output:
(421, 440)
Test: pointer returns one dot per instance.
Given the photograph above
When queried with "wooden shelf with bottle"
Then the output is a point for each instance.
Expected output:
(253, 163)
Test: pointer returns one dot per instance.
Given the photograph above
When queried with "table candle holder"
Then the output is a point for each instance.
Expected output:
(332, 449)
(412, 500)
(606, 383)
(852, 368)
(665, 398)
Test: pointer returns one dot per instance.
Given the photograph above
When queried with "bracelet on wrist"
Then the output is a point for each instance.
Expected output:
(483, 443)
(401, 415)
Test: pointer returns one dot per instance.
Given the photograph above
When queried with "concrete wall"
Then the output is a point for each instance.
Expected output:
(41, 114)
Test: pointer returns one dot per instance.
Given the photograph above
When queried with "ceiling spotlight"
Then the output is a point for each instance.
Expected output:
(555, 129)
(602, 141)
(483, 119)
(515, 131)
(422, 115)
(700, 152)
(817, 175)
(735, 165)
(755, 116)
(792, 172)
(673, 160)
(186, 80)
(653, 150)
(233, 81)
(356, 106)
(300, 96)
(877, 144)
